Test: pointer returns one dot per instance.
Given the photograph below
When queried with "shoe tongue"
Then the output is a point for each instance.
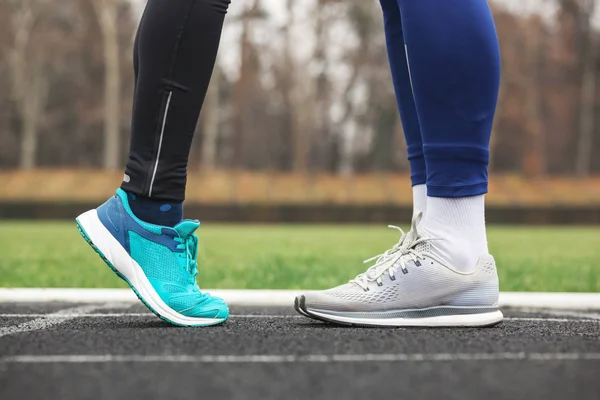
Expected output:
(415, 223)
(413, 234)
(187, 227)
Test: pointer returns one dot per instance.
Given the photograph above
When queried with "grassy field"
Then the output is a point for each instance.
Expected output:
(52, 254)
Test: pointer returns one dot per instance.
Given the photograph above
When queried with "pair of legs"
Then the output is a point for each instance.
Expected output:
(174, 54)
(445, 65)
(139, 232)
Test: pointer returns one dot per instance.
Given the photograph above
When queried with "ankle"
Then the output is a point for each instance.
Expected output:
(419, 199)
(457, 211)
(156, 212)
(460, 247)
(459, 226)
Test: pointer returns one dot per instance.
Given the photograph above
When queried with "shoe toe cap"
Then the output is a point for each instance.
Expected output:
(317, 299)
(334, 300)
(207, 307)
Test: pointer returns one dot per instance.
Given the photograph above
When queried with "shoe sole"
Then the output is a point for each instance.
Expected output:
(300, 311)
(126, 268)
(479, 320)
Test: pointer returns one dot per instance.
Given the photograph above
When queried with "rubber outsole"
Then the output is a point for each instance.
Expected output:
(300, 306)
(116, 271)
(300, 311)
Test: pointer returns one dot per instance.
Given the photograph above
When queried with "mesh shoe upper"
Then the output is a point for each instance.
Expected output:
(408, 276)
(166, 255)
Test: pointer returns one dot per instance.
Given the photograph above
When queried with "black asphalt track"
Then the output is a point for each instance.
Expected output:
(69, 351)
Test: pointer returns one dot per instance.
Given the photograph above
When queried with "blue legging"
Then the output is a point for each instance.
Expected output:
(446, 88)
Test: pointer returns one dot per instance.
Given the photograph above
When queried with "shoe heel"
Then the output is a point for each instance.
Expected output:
(80, 226)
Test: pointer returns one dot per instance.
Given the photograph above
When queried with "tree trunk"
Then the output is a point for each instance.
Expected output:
(34, 103)
(322, 104)
(298, 140)
(27, 82)
(587, 101)
(106, 11)
(243, 85)
(535, 163)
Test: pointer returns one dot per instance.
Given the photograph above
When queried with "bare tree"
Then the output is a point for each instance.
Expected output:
(359, 15)
(322, 90)
(535, 162)
(587, 91)
(298, 138)
(248, 71)
(28, 77)
(323, 105)
(107, 13)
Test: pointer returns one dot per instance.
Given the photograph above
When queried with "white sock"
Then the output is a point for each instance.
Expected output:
(460, 223)
(419, 199)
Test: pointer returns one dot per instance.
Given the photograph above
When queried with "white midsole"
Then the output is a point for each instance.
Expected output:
(128, 267)
(482, 319)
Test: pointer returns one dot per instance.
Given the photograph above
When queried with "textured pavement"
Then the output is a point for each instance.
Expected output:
(67, 351)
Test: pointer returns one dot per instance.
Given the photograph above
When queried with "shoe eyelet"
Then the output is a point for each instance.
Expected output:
(393, 277)
(404, 271)
(379, 283)
(417, 263)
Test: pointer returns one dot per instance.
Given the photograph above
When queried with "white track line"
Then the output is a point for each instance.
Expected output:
(578, 317)
(315, 358)
(541, 319)
(595, 316)
(78, 315)
(117, 315)
(556, 301)
(45, 321)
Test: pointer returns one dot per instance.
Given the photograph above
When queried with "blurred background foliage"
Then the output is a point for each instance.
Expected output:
(301, 86)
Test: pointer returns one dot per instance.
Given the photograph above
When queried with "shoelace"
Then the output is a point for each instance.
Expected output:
(190, 245)
(394, 258)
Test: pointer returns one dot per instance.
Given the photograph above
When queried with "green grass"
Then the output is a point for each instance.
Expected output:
(52, 254)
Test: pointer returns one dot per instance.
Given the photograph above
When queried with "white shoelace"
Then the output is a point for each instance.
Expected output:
(396, 257)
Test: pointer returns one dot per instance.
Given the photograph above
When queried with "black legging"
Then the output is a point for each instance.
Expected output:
(174, 55)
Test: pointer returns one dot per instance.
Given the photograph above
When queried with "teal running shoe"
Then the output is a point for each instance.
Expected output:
(158, 262)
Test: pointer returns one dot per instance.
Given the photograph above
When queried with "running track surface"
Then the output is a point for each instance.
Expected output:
(120, 351)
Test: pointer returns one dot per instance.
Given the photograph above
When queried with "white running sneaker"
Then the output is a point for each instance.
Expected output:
(410, 286)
